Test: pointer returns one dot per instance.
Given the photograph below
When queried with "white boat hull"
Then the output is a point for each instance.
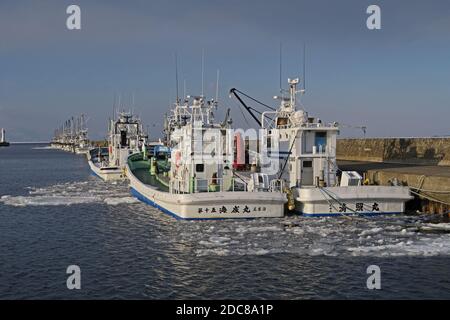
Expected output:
(82, 150)
(353, 200)
(107, 174)
(210, 205)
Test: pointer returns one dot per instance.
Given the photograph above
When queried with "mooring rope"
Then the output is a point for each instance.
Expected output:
(332, 205)
(430, 198)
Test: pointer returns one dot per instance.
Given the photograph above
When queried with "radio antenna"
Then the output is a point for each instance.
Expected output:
(203, 69)
(114, 107)
(176, 75)
(304, 68)
(217, 85)
(281, 65)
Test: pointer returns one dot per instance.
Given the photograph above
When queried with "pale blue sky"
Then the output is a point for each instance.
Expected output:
(395, 80)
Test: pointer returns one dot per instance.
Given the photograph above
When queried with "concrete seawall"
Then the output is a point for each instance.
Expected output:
(420, 151)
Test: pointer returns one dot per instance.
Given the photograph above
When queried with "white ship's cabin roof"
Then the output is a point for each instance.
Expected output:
(195, 109)
(290, 114)
(319, 125)
(297, 120)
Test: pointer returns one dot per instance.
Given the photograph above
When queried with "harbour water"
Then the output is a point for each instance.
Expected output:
(53, 214)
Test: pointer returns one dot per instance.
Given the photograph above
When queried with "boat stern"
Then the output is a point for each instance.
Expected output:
(351, 200)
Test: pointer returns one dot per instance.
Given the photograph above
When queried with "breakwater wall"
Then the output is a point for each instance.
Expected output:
(420, 151)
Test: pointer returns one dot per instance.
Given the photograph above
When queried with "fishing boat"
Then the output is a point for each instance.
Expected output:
(3, 142)
(306, 147)
(72, 136)
(82, 143)
(125, 138)
(191, 175)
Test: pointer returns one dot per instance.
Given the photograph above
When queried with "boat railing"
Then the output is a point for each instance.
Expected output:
(276, 185)
(198, 185)
(268, 121)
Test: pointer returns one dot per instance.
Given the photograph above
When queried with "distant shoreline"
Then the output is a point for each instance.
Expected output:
(98, 142)
(29, 142)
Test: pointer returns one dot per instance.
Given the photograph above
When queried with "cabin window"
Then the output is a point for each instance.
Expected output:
(123, 138)
(282, 121)
(307, 164)
(199, 167)
(321, 141)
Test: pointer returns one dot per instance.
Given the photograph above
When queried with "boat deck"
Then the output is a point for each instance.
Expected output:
(145, 177)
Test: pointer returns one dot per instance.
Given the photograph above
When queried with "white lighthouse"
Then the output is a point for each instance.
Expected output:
(3, 142)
